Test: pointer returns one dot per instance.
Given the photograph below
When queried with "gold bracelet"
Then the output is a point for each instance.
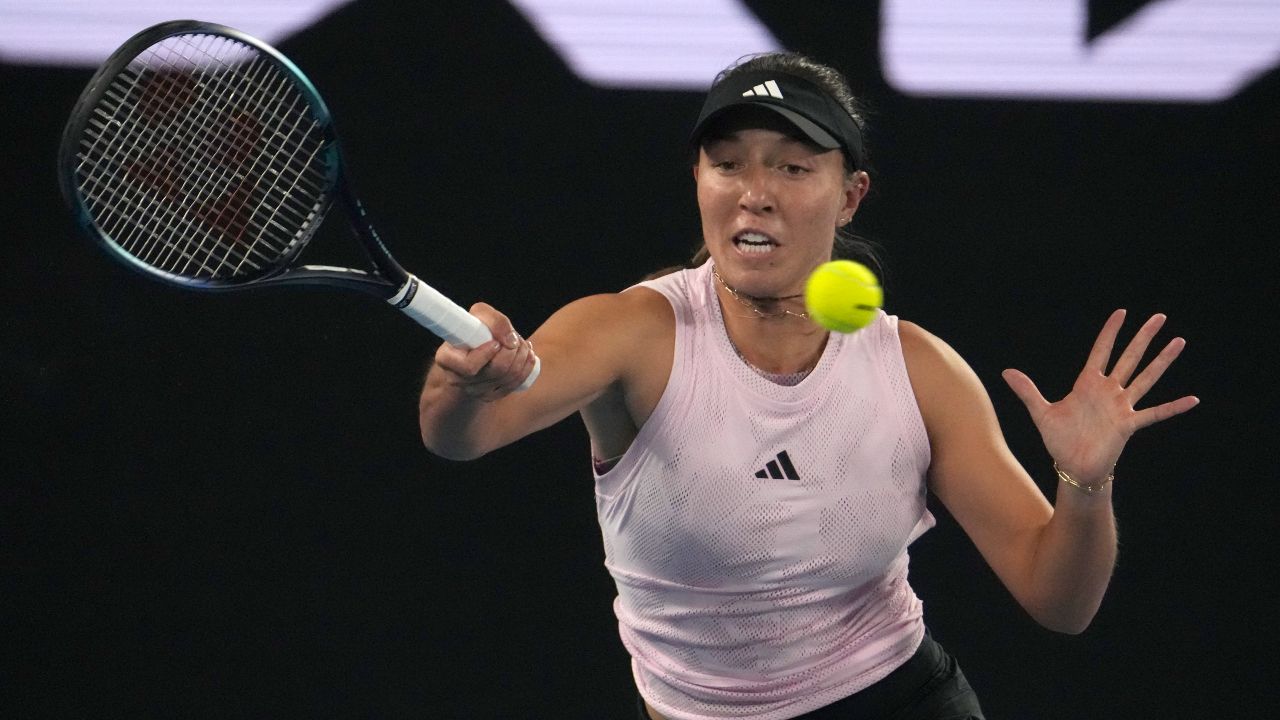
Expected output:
(1089, 489)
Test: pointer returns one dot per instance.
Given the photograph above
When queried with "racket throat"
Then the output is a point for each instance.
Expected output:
(405, 294)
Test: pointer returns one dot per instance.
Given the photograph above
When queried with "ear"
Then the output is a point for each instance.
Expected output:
(856, 186)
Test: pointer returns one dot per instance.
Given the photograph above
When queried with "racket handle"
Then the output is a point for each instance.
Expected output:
(442, 316)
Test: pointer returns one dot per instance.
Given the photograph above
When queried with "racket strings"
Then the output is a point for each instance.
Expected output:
(156, 102)
(250, 132)
(157, 179)
(153, 191)
(204, 160)
(228, 212)
(220, 196)
(161, 209)
(128, 210)
(237, 134)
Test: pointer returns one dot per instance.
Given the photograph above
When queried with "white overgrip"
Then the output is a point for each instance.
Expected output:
(431, 309)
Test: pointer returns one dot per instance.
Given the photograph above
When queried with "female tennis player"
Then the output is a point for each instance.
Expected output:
(758, 478)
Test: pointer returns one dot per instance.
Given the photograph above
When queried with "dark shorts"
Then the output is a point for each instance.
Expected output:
(929, 686)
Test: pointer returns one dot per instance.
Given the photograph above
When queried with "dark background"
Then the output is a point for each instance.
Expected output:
(219, 506)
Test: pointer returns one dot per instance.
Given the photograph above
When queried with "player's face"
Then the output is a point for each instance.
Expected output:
(770, 206)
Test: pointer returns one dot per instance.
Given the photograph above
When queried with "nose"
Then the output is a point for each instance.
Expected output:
(757, 191)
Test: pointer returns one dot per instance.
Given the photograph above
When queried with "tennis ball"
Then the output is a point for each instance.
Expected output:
(843, 295)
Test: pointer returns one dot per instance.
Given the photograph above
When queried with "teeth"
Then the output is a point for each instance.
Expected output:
(753, 242)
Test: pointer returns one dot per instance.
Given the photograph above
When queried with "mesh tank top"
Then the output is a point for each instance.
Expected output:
(757, 533)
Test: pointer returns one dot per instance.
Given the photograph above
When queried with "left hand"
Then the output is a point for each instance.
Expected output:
(1086, 431)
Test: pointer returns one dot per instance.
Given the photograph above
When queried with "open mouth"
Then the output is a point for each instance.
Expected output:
(754, 242)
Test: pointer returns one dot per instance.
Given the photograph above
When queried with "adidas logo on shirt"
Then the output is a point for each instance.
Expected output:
(779, 468)
(768, 88)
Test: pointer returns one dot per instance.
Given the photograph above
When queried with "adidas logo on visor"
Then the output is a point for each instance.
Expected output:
(779, 468)
(768, 88)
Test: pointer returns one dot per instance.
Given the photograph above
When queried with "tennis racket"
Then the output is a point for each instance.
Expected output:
(205, 159)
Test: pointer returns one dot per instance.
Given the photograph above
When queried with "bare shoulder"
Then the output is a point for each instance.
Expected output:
(600, 341)
(620, 349)
(926, 354)
(612, 319)
(639, 325)
(943, 382)
(972, 469)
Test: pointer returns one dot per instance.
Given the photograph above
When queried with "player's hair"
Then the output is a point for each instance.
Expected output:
(848, 245)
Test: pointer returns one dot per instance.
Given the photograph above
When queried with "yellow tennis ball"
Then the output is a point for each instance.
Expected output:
(843, 295)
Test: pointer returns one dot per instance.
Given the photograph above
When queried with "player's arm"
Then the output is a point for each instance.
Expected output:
(1056, 560)
(468, 407)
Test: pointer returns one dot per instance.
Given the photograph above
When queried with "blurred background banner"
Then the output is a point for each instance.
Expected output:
(1161, 50)
(218, 505)
(76, 32)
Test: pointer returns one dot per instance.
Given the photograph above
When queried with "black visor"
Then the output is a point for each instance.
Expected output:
(814, 113)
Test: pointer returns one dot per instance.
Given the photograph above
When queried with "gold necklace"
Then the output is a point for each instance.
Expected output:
(781, 378)
(751, 303)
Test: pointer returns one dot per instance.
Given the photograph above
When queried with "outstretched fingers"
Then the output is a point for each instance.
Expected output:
(1147, 378)
(1132, 355)
(1164, 411)
(1100, 355)
(1154, 370)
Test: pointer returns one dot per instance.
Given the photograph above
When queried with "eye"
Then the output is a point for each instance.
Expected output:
(793, 169)
(725, 165)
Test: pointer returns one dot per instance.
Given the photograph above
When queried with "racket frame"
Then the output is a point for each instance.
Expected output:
(389, 280)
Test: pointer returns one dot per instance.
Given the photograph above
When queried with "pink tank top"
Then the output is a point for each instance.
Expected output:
(757, 532)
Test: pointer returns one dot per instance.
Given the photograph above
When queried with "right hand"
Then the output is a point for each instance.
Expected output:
(494, 369)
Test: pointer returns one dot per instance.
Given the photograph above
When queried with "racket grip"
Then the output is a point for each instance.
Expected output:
(442, 316)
